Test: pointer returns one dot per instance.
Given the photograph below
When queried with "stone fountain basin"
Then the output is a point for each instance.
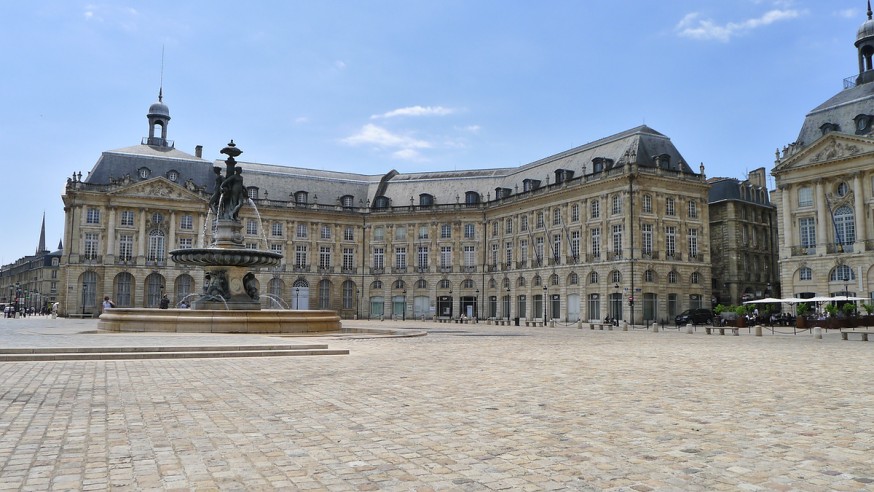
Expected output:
(225, 257)
(208, 321)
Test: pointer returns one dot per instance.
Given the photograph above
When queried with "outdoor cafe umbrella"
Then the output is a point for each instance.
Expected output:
(767, 300)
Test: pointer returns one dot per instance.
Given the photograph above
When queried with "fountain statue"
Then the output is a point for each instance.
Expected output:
(230, 301)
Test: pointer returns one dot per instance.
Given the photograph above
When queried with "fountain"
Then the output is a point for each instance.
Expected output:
(230, 302)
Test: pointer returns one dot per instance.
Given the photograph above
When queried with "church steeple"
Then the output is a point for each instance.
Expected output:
(41, 247)
(159, 118)
(865, 46)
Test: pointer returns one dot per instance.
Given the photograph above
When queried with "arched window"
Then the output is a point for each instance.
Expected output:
(325, 294)
(841, 273)
(520, 282)
(695, 278)
(399, 284)
(553, 279)
(536, 281)
(376, 285)
(672, 277)
(380, 202)
(845, 226)
(154, 290)
(573, 279)
(124, 283)
(276, 287)
(348, 294)
(615, 276)
(426, 200)
(649, 276)
(593, 278)
(347, 201)
(252, 192)
(805, 273)
(444, 284)
(184, 287)
(471, 197)
(467, 284)
(421, 284)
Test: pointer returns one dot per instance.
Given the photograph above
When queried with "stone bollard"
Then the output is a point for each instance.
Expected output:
(655, 327)
(817, 333)
(624, 325)
(689, 329)
(381, 317)
(579, 324)
(758, 330)
(552, 323)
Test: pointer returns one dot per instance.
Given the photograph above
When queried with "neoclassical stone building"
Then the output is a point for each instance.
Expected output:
(825, 183)
(743, 238)
(617, 227)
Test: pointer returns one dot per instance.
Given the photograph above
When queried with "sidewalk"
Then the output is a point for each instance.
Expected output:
(467, 407)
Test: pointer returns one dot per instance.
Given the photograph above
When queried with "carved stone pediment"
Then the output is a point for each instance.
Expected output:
(157, 188)
(831, 148)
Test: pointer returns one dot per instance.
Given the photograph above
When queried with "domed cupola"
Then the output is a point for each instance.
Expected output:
(159, 118)
(865, 46)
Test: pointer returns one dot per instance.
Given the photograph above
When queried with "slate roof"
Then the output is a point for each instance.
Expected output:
(840, 109)
(116, 164)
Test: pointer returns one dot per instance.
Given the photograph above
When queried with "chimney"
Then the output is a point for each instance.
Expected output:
(198, 151)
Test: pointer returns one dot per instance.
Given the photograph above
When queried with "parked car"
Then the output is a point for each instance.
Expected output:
(694, 316)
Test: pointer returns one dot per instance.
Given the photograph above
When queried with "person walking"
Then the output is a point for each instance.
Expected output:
(107, 304)
(165, 302)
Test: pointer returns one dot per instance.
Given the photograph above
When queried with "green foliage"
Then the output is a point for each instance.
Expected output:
(802, 309)
(868, 307)
(740, 310)
(831, 309)
(849, 308)
(719, 309)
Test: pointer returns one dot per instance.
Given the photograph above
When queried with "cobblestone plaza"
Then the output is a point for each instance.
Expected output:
(467, 407)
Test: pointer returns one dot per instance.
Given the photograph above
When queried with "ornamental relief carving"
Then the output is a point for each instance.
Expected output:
(835, 150)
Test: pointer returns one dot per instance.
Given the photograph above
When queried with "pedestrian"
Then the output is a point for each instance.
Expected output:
(107, 304)
(165, 302)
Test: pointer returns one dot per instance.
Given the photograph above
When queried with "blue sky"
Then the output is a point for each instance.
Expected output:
(371, 86)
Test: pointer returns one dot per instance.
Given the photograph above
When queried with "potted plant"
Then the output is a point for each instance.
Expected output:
(869, 308)
(849, 310)
(741, 312)
(832, 310)
(801, 311)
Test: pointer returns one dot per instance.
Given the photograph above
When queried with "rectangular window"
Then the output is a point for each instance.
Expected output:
(575, 244)
(469, 231)
(470, 256)
(251, 245)
(348, 259)
(556, 247)
(300, 256)
(324, 257)
(538, 250)
(595, 207)
(445, 256)
(693, 209)
(302, 231)
(805, 197)
(494, 228)
(186, 243)
(378, 233)
(400, 233)
(508, 253)
(540, 222)
(508, 226)
(379, 258)
(523, 223)
(669, 207)
(556, 216)
(575, 212)
(807, 229)
(156, 247)
(127, 218)
(251, 227)
(125, 247)
(325, 232)
(596, 242)
(494, 254)
(276, 248)
(92, 216)
(693, 243)
(617, 240)
(617, 205)
(423, 232)
(646, 239)
(670, 241)
(400, 257)
(276, 229)
(348, 234)
(446, 231)
(523, 252)
(647, 204)
(423, 257)
(186, 222)
(91, 242)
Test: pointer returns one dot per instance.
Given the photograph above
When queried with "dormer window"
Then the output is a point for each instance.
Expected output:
(530, 184)
(829, 127)
(144, 172)
(426, 200)
(347, 201)
(562, 175)
(863, 123)
(300, 198)
(662, 161)
(173, 176)
(380, 202)
(252, 192)
(471, 198)
(502, 193)
(600, 164)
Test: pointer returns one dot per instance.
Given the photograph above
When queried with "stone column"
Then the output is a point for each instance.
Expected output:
(141, 244)
(787, 217)
(110, 234)
(823, 224)
(172, 239)
(861, 216)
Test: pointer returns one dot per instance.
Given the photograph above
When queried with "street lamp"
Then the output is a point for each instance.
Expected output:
(543, 302)
(476, 304)
(357, 304)
(297, 297)
(84, 292)
(404, 310)
(617, 304)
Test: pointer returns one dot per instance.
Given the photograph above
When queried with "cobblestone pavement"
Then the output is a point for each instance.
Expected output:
(468, 407)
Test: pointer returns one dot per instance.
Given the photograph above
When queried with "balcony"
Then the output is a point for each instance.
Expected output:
(399, 270)
(614, 255)
(649, 255)
(696, 258)
(445, 269)
(837, 248)
(349, 271)
(592, 258)
(554, 261)
(673, 256)
(377, 270)
(522, 264)
(468, 269)
(803, 250)
(300, 268)
(326, 269)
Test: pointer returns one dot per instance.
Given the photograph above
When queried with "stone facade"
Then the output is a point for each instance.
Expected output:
(743, 238)
(825, 185)
(617, 227)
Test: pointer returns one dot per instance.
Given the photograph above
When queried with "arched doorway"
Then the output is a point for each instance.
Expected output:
(300, 294)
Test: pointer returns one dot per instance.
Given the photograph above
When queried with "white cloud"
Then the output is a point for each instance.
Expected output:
(340, 65)
(300, 120)
(847, 14)
(377, 136)
(416, 111)
(694, 27)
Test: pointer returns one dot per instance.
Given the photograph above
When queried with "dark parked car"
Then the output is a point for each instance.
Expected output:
(694, 316)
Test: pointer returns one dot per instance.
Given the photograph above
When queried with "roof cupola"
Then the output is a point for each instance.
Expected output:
(159, 118)
(865, 46)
